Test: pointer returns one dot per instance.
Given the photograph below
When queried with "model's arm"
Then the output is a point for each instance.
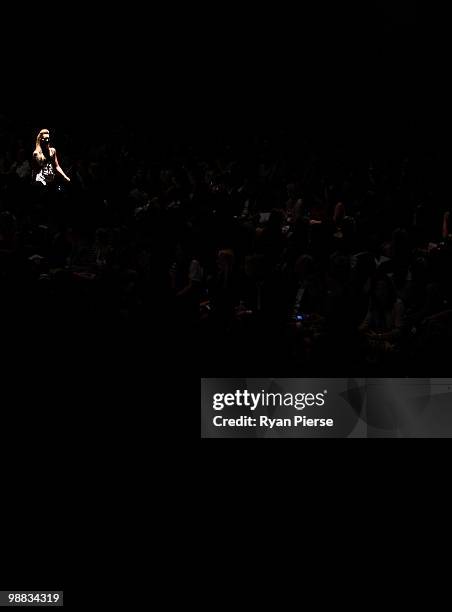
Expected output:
(36, 166)
(59, 169)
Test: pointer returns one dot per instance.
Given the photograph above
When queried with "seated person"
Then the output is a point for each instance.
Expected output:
(384, 323)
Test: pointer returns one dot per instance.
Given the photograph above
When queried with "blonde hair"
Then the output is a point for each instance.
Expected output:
(38, 154)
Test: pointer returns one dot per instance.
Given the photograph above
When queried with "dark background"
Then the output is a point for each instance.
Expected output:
(333, 70)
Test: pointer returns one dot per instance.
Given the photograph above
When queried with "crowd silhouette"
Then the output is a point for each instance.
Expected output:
(260, 252)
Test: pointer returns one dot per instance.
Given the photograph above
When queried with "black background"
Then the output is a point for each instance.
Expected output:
(332, 69)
